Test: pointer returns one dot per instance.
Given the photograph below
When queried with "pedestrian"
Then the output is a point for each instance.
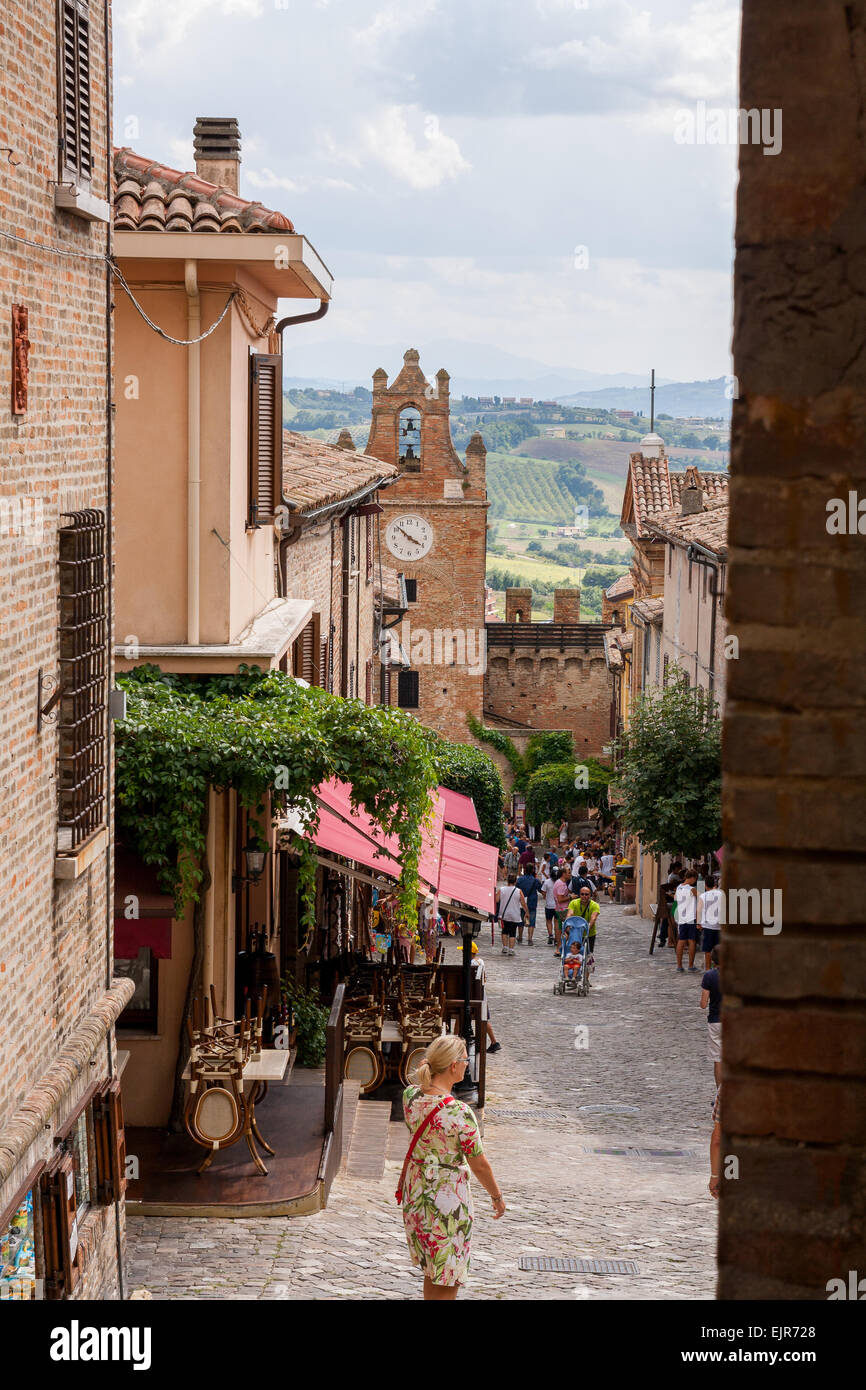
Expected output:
(548, 885)
(711, 1000)
(481, 976)
(530, 886)
(510, 904)
(562, 897)
(585, 906)
(607, 862)
(709, 918)
(668, 889)
(716, 1145)
(435, 1183)
(687, 919)
(563, 833)
(526, 858)
(579, 878)
(511, 860)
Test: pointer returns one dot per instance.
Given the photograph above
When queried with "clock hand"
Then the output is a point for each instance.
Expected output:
(413, 539)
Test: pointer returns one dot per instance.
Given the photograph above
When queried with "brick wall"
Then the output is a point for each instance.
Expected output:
(444, 629)
(794, 1021)
(552, 690)
(53, 937)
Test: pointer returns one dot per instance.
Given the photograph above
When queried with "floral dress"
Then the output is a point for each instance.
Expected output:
(437, 1203)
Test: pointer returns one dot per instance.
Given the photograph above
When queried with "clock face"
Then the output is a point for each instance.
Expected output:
(409, 537)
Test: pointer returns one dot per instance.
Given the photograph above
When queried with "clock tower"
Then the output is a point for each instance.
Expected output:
(434, 530)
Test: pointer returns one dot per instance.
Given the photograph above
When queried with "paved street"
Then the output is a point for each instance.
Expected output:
(647, 1051)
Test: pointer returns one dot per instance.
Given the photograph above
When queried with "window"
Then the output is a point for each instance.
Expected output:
(306, 653)
(142, 1011)
(266, 436)
(407, 689)
(73, 71)
(79, 1146)
(326, 671)
(18, 1249)
(411, 590)
(81, 722)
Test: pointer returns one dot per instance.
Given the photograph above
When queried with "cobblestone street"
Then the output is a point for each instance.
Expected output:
(647, 1203)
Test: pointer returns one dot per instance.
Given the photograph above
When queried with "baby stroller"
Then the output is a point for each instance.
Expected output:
(574, 929)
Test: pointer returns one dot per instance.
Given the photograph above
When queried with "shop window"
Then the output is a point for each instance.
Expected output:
(142, 1010)
(18, 1249)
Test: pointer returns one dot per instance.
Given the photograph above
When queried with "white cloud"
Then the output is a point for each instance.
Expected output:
(422, 165)
(268, 179)
(152, 24)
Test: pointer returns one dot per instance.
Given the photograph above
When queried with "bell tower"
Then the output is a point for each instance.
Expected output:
(434, 528)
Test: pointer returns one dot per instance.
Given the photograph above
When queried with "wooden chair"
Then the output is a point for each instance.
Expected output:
(218, 1112)
(363, 1059)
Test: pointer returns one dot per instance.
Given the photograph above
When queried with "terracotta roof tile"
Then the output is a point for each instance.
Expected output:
(621, 587)
(650, 609)
(316, 474)
(152, 197)
(713, 484)
(708, 528)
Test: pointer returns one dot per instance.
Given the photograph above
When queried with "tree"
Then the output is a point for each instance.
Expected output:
(669, 770)
(557, 789)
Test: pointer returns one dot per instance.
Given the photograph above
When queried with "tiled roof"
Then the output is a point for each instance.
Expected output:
(708, 528)
(621, 587)
(626, 641)
(713, 484)
(612, 652)
(316, 474)
(650, 609)
(654, 488)
(149, 197)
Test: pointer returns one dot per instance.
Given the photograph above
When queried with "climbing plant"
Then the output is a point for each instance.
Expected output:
(466, 769)
(272, 741)
(495, 738)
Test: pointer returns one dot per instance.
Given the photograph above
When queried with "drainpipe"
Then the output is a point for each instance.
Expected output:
(193, 516)
(699, 555)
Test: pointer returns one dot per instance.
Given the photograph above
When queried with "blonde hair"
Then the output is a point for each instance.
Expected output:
(441, 1054)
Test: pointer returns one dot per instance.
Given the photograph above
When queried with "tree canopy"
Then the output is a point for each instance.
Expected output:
(669, 770)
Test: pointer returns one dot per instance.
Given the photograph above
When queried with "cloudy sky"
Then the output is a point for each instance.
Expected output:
(502, 173)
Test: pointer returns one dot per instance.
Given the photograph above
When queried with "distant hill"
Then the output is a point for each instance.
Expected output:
(679, 398)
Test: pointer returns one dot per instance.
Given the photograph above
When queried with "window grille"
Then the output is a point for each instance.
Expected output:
(83, 672)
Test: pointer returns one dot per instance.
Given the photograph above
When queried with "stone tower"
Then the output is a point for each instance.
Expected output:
(434, 530)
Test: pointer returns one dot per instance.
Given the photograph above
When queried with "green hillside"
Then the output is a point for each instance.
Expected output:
(526, 489)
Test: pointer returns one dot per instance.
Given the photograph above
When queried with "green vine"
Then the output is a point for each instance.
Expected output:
(503, 744)
(267, 738)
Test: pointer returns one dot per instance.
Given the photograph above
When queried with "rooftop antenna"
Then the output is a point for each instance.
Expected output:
(652, 400)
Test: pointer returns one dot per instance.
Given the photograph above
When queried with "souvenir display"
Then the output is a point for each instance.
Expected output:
(18, 1254)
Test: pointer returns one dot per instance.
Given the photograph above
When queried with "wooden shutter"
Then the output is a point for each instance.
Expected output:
(324, 663)
(110, 1143)
(369, 540)
(60, 1228)
(266, 435)
(76, 151)
(307, 653)
(368, 683)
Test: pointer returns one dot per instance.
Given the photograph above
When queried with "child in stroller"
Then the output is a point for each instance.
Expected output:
(574, 962)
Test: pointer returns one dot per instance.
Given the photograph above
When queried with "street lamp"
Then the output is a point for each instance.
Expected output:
(254, 859)
(469, 929)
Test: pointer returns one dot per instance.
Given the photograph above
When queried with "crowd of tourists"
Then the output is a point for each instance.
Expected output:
(569, 881)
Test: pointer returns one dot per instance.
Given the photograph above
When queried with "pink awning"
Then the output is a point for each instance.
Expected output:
(460, 868)
(460, 811)
(468, 871)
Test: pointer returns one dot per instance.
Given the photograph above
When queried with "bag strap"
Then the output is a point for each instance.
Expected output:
(414, 1140)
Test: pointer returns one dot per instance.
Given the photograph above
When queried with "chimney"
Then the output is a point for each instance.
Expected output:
(218, 150)
(692, 494)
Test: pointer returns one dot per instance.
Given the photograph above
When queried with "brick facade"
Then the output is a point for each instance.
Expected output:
(794, 757)
(55, 961)
(443, 632)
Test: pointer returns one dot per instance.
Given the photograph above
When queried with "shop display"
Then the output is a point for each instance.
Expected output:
(18, 1254)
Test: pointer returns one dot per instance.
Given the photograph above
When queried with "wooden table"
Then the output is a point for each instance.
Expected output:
(270, 1065)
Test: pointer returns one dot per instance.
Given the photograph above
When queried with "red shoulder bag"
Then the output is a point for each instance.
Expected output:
(415, 1137)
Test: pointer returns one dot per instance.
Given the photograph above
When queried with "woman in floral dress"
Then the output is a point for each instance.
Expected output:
(437, 1202)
